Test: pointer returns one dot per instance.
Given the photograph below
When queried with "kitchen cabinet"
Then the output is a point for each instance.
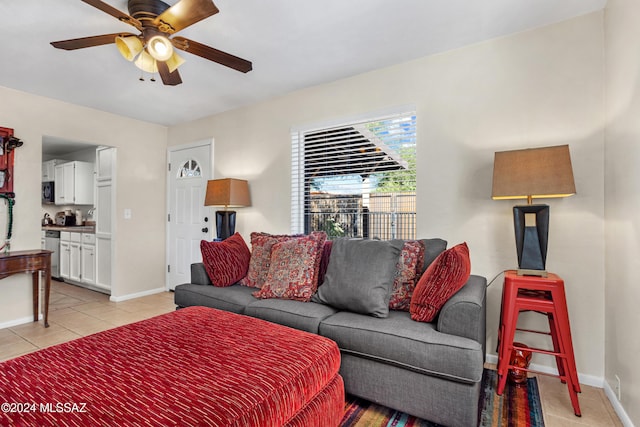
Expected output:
(78, 257)
(70, 244)
(88, 259)
(104, 160)
(105, 201)
(74, 261)
(74, 183)
(49, 169)
(65, 254)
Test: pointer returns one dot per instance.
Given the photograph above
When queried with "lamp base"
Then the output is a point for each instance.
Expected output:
(530, 272)
(531, 223)
(225, 224)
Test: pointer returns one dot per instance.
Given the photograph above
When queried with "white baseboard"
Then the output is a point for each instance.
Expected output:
(589, 380)
(137, 295)
(16, 322)
(622, 414)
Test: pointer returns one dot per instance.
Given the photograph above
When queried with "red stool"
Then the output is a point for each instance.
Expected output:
(544, 295)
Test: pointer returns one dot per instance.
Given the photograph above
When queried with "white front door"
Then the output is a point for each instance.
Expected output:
(189, 221)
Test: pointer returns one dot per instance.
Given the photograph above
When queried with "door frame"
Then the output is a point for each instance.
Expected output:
(200, 143)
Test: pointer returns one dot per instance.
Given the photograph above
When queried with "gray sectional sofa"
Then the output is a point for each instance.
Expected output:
(430, 370)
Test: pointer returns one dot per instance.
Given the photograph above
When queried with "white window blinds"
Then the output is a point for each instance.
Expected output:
(357, 179)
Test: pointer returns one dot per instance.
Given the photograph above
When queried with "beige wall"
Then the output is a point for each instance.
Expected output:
(537, 88)
(139, 253)
(622, 312)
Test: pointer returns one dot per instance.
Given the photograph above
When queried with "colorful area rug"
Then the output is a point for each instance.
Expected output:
(518, 406)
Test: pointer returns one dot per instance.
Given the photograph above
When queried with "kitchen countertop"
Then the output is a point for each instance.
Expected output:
(73, 228)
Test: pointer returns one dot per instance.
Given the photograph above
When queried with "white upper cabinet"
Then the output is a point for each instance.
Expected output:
(104, 160)
(74, 183)
(49, 169)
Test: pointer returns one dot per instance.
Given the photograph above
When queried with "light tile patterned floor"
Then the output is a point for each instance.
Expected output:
(76, 312)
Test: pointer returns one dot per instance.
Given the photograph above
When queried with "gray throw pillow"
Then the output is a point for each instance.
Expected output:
(359, 276)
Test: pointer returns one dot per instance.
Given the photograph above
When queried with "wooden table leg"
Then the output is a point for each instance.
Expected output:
(47, 291)
(36, 294)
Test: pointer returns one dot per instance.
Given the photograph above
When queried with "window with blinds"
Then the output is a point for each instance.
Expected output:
(357, 179)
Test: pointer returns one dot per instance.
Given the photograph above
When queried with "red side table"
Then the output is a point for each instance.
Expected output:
(546, 296)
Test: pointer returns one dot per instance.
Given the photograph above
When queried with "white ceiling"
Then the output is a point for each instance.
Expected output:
(292, 43)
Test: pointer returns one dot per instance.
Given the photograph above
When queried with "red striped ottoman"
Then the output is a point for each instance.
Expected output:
(193, 367)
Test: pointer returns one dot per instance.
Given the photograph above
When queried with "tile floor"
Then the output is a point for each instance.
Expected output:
(75, 312)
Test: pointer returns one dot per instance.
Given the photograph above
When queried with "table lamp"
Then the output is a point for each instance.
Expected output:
(529, 174)
(227, 192)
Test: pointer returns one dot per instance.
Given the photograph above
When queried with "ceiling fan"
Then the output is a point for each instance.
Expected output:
(153, 49)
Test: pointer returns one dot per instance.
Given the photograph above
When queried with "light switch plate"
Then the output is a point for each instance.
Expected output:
(127, 214)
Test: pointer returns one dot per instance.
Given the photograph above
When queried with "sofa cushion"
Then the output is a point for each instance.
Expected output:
(231, 298)
(400, 341)
(444, 277)
(305, 316)
(226, 262)
(359, 276)
(293, 270)
(432, 248)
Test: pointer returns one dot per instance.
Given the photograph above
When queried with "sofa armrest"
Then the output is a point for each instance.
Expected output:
(199, 275)
(465, 313)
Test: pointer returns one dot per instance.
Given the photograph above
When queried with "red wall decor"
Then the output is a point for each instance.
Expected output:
(7, 145)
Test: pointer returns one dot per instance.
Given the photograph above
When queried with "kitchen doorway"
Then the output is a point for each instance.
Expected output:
(89, 249)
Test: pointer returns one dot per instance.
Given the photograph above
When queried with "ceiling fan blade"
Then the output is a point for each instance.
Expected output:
(98, 4)
(212, 54)
(168, 78)
(83, 42)
(183, 14)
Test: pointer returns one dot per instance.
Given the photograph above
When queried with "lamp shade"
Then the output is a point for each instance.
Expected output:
(146, 63)
(533, 173)
(160, 48)
(174, 62)
(227, 192)
(129, 46)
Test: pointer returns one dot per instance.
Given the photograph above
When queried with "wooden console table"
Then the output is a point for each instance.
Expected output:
(30, 262)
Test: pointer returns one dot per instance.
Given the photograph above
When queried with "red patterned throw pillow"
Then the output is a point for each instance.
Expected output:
(444, 277)
(293, 270)
(408, 272)
(261, 244)
(226, 262)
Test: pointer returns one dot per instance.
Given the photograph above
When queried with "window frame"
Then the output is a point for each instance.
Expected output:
(298, 153)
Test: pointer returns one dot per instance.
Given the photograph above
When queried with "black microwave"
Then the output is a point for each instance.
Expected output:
(48, 195)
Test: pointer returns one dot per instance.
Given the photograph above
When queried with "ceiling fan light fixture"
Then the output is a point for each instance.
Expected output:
(160, 48)
(146, 63)
(174, 62)
(129, 47)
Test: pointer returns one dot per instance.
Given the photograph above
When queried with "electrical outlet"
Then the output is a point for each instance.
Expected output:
(618, 392)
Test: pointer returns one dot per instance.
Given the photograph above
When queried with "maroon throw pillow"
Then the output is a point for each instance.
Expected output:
(293, 269)
(261, 244)
(324, 260)
(226, 262)
(408, 271)
(444, 277)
